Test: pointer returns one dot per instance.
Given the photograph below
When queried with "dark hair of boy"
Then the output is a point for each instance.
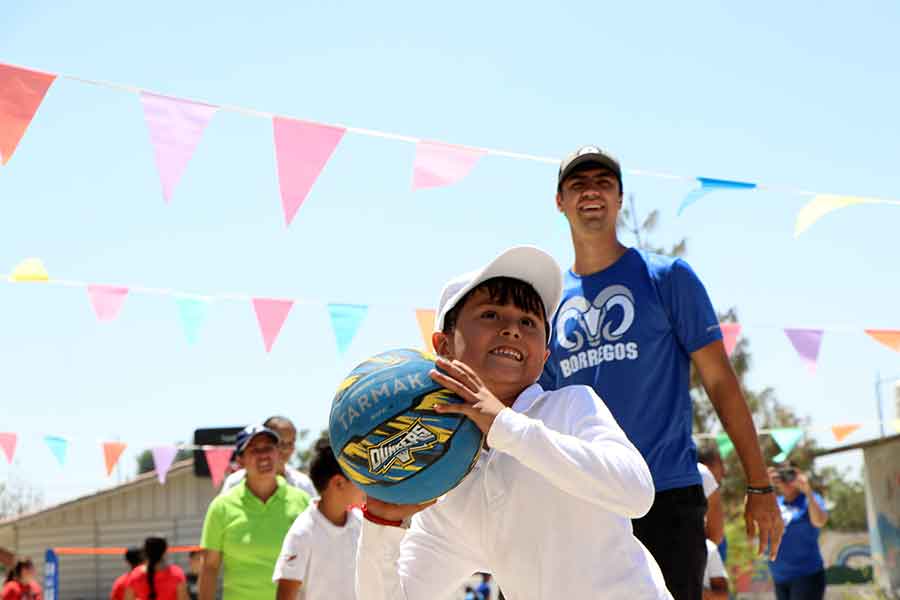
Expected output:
(503, 291)
(155, 548)
(323, 465)
(134, 556)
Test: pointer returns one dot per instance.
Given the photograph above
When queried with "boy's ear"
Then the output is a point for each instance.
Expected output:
(441, 343)
(559, 201)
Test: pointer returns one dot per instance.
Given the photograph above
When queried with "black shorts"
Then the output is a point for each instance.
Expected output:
(674, 533)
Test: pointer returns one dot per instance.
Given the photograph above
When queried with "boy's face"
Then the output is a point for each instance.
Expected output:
(505, 345)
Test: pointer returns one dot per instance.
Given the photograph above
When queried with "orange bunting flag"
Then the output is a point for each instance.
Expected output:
(730, 333)
(425, 318)
(842, 431)
(21, 93)
(888, 337)
(111, 453)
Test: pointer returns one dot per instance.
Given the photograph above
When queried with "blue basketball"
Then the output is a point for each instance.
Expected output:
(387, 437)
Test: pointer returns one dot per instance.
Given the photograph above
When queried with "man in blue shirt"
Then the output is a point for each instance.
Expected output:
(629, 326)
(798, 571)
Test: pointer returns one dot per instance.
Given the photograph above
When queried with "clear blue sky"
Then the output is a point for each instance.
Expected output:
(800, 94)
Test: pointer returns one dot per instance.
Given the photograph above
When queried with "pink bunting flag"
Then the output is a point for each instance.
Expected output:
(21, 93)
(107, 300)
(439, 164)
(176, 127)
(271, 315)
(807, 343)
(218, 459)
(112, 451)
(8, 444)
(162, 460)
(301, 151)
(730, 334)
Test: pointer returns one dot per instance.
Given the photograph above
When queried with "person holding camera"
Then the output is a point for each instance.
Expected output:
(798, 570)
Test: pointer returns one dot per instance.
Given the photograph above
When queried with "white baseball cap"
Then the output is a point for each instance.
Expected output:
(526, 263)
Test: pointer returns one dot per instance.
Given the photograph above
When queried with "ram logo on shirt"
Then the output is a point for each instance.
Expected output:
(399, 448)
(591, 331)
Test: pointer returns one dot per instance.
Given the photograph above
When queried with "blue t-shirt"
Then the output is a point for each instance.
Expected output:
(799, 553)
(628, 332)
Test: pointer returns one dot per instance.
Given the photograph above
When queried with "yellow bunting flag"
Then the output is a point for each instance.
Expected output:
(111, 453)
(897, 425)
(888, 337)
(842, 431)
(425, 317)
(30, 269)
(823, 204)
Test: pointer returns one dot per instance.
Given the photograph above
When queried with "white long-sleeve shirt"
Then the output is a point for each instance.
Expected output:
(547, 510)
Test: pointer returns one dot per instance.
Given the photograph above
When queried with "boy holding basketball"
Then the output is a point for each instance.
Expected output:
(548, 507)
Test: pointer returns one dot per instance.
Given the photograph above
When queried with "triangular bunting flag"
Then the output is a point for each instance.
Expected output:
(111, 453)
(823, 204)
(806, 342)
(21, 93)
(708, 185)
(301, 151)
(842, 431)
(107, 300)
(162, 460)
(8, 445)
(271, 314)
(725, 445)
(786, 438)
(192, 314)
(345, 320)
(888, 337)
(176, 127)
(58, 447)
(218, 459)
(730, 334)
(438, 164)
(425, 318)
(30, 269)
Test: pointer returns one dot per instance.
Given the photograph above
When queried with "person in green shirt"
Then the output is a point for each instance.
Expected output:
(244, 527)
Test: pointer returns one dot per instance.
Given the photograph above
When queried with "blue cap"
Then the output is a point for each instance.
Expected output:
(251, 431)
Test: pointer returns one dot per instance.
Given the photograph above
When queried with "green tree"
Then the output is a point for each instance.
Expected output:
(145, 459)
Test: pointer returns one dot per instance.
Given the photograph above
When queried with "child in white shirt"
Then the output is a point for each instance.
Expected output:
(547, 509)
(318, 556)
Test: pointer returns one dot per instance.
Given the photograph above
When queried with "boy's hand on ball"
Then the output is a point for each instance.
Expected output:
(481, 405)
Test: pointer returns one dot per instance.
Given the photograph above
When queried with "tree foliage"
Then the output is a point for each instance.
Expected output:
(17, 497)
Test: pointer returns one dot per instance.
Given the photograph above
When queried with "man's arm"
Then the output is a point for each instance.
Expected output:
(209, 575)
(288, 589)
(818, 516)
(761, 510)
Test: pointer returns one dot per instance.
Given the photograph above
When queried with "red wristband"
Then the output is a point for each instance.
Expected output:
(378, 520)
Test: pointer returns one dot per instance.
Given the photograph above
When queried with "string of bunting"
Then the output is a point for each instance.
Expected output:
(218, 458)
(303, 147)
(346, 319)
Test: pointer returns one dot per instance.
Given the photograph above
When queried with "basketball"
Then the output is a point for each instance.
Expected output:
(387, 437)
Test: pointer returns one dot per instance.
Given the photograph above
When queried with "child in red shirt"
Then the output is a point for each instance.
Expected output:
(20, 583)
(156, 580)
